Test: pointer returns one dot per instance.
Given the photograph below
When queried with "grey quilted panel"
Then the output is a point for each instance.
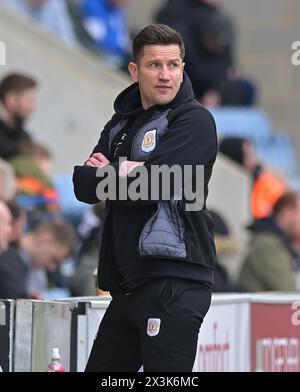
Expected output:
(164, 236)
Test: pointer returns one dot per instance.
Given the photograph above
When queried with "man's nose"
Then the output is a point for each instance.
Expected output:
(164, 74)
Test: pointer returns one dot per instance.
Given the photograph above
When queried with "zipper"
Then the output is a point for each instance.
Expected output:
(134, 139)
(149, 221)
(180, 215)
(141, 127)
(178, 218)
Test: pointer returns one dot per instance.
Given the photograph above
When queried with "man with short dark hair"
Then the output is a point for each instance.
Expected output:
(272, 261)
(42, 249)
(157, 256)
(17, 103)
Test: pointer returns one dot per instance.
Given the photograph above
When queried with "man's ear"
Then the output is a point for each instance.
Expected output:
(10, 100)
(132, 68)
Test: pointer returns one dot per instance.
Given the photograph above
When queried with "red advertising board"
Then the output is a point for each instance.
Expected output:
(275, 337)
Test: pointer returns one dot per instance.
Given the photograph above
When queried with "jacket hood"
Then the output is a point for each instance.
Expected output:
(128, 102)
(269, 225)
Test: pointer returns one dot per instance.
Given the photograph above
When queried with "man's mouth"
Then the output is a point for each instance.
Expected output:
(160, 87)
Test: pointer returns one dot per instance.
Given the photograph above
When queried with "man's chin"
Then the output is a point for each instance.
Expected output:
(164, 100)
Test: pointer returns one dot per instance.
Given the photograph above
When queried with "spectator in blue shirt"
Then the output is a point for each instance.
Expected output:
(106, 23)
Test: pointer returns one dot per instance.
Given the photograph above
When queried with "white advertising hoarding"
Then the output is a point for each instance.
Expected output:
(224, 339)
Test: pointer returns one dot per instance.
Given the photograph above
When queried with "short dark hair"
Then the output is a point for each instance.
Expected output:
(287, 200)
(15, 210)
(232, 148)
(37, 150)
(156, 34)
(16, 83)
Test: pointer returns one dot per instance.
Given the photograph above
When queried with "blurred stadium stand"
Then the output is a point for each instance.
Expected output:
(76, 89)
(276, 149)
(265, 31)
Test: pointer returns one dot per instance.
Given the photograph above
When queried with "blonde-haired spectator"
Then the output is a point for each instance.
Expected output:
(7, 181)
(5, 226)
(43, 249)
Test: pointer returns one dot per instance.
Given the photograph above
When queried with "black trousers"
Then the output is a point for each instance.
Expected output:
(155, 326)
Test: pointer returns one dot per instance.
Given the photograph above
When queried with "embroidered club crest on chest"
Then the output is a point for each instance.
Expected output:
(149, 141)
(153, 326)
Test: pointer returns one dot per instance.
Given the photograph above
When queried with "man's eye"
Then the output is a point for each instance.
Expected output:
(154, 65)
(174, 65)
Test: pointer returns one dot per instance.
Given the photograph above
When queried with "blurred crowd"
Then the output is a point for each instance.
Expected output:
(209, 37)
(101, 27)
(97, 25)
(272, 261)
(34, 236)
(36, 239)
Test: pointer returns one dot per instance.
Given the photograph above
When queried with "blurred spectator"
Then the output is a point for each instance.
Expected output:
(225, 246)
(7, 181)
(267, 186)
(51, 14)
(33, 169)
(17, 103)
(83, 37)
(272, 261)
(83, 282)
(209, 38)
(5, 227)
(106, 23)
(41, 250)
(18, 223)
(2, 183)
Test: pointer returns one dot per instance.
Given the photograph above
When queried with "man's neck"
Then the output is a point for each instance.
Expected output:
(6, 117)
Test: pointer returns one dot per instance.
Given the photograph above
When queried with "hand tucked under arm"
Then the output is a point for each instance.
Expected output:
(97, 160)
(127, 166)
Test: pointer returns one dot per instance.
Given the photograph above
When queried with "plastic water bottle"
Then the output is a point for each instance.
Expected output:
(55, 365)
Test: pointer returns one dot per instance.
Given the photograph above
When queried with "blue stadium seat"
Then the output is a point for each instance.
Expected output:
(245, 122)
(278, 151)
(275, 149)
(70, 206)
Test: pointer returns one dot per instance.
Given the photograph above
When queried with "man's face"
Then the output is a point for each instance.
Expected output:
(46, 165)
(159, 73)
(5, 226)
(22, 105)
(294, 221)
(48, 253)
(250, 157)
